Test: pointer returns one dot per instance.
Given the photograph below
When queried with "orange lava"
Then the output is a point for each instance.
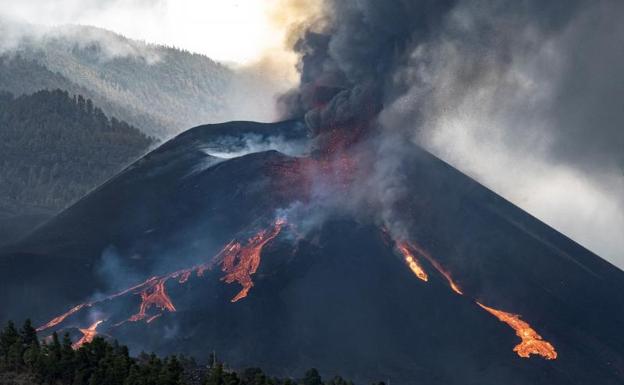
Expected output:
(154, 296)
(57, 320)
(438, 267)
(238, 262)
(532, 343)
(241, 262)
(411, 261)
(88, 335)
(184, 276)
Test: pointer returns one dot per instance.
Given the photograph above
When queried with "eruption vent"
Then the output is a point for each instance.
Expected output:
(532, 343)
(88, 335)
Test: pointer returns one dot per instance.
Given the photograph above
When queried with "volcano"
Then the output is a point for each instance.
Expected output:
(217, 242)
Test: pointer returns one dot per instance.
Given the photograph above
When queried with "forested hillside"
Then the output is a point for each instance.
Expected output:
(55, 147)
(26, 360)
(161, 90)
(20, 76)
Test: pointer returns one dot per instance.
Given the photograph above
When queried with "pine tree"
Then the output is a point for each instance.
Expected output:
(29, 333)
(312, 377)
(215, 375)
(8, 338)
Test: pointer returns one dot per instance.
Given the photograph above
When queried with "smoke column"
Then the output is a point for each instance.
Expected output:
(524, 96)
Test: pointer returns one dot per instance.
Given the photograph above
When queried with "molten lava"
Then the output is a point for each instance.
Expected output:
(184, 276)
(154, 296)
(238, 261)
(57, 320)
(438, 267)
(241, 262)
(532, 343)
(411, 261)
(88, 335)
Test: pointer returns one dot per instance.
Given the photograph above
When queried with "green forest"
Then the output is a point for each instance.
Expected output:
(27, 360)
(161, 90)
(56, 147)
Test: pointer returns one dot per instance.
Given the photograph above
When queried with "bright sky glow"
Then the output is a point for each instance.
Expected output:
(236, 31)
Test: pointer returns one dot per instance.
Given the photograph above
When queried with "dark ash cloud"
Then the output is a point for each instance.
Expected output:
(524, 96)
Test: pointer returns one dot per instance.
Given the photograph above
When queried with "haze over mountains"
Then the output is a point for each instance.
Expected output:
(156, 89)
(161, 90)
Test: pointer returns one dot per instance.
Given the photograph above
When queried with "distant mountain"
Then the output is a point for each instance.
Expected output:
(159, 89)
(22, 76)
(54, 148)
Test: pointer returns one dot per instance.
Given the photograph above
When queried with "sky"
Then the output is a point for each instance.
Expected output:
(230, 31)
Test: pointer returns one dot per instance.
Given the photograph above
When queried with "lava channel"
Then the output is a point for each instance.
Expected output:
(88, 335)
(438, 267)
(531, 341)
(240, 262)
(411, 261)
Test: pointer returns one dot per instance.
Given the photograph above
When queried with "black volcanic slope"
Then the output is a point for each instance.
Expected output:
(339, 296)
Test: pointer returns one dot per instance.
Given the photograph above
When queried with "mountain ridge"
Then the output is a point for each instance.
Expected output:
(157, 88)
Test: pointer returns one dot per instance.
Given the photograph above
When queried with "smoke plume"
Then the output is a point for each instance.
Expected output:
(525, 97)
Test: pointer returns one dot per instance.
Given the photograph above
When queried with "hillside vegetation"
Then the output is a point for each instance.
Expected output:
(25, 360)
(161, 90)
(56, 147)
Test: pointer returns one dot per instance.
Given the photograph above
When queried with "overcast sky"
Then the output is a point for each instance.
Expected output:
(226, 30)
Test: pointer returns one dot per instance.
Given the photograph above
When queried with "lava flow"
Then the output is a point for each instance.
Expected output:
(57, 320)
(241, 262)
(154, 295)
(88, 335)
(411, 261)
(238, 261)
(438, 267)
(532, 343)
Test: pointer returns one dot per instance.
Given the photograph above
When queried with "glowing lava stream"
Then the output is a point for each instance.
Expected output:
(57, 320)
(532, 343)
(241, 262)
(88, 335)
(412, 262)
(154, 296)
(438, 267)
